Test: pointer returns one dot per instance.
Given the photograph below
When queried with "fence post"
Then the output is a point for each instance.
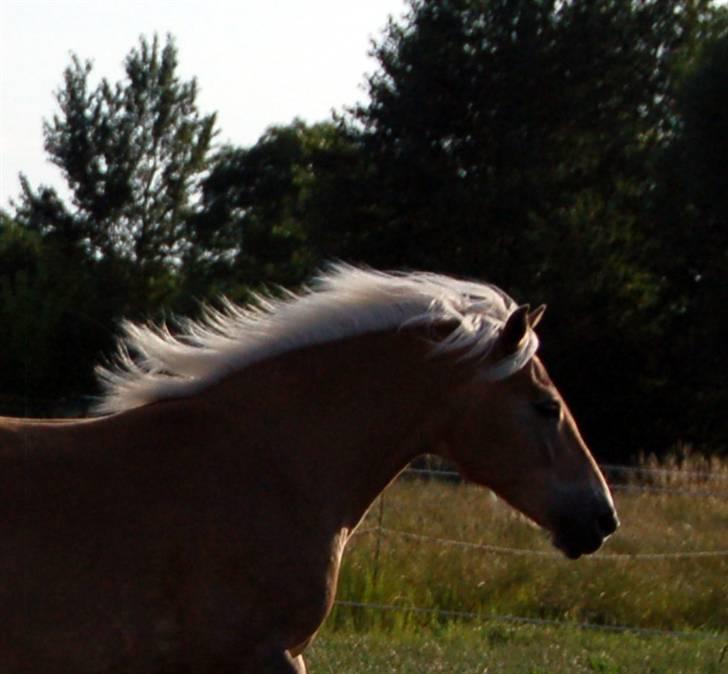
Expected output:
(377, 547)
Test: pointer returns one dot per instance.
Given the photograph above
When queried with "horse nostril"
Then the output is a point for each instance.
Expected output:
(608, 522)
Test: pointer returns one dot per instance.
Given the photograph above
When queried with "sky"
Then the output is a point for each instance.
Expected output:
(257, 62)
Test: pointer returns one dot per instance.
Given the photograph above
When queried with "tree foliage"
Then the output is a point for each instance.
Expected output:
(689, 211)
(131, 154)
(515, 139)
(298, 197)
(516, 115)
(56, 316)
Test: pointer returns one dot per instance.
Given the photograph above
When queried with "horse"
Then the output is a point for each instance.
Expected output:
(197, 522)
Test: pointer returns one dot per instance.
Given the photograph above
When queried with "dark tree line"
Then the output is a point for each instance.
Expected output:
(572, 152)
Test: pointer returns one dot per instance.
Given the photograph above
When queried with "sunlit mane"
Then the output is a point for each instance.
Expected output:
(153, 364)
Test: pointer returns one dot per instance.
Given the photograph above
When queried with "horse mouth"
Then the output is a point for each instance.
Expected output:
(574, 547)
(576, 538)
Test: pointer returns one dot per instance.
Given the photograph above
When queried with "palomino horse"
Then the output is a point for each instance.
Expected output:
(199, 525)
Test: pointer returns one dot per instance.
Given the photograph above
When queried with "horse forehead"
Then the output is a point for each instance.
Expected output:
(539, 373)
(531, 380)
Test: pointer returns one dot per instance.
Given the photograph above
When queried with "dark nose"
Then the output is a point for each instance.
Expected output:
(608, 522)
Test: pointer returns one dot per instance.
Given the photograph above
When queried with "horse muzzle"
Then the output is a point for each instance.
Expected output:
(581, 531)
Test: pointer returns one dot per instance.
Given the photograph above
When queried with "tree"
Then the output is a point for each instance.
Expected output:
(492, 121)
(251, 204)
(515, 139)
(132, 154)
(56, 308)
(703, 104)
(690, 239)
(280, 208)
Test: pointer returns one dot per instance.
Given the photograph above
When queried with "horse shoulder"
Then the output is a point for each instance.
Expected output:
(9, 439)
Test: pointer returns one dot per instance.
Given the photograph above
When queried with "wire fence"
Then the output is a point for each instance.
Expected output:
(526, 552)
(522, 620)
(675, 472)
(615, 468)
(382, 533)
(615, 485)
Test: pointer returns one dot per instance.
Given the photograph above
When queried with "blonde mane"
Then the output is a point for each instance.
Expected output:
(153, 364)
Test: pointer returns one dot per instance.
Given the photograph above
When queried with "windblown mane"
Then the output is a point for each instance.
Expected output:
(153, 364)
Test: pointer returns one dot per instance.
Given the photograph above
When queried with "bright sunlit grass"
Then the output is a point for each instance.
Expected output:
(685, 595)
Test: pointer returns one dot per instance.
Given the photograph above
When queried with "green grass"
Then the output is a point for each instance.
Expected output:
(495, 648)
(672, 594)
(687, 595)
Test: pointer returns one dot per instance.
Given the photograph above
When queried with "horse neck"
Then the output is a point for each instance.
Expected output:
(340, 419)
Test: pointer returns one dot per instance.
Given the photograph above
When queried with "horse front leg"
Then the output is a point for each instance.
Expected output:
(298, 662)
(281, 663)
(273, 662)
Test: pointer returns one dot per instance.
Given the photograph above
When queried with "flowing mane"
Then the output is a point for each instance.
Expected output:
(153, 364)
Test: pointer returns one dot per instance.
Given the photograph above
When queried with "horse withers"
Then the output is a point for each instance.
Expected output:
(199, 524)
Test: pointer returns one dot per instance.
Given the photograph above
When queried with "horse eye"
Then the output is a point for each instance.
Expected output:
(550, 408)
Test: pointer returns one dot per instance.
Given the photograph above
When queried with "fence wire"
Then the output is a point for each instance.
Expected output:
(527, 552)
(678, 472)
(614, 486)
(545, 622)
(379, 530)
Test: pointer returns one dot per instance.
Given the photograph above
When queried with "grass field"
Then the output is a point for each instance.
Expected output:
(501, 649)
(423, 547)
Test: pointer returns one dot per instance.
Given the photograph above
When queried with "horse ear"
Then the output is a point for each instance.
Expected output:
(534, 318)
(515, 330)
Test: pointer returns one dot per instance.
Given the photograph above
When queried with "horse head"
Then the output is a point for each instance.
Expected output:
(515, 434)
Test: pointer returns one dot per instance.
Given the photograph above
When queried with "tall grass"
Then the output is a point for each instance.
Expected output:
(683, 512)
